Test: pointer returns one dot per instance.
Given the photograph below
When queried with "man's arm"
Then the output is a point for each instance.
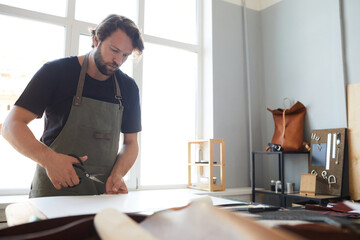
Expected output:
(58, 166)
(125, 160)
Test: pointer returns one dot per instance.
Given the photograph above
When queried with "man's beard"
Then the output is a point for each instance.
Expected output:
(101, 65)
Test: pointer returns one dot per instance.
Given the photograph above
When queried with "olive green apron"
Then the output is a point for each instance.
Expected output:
(92, 129)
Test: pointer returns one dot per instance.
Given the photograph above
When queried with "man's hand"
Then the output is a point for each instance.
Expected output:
(115, 185)
(61, 172)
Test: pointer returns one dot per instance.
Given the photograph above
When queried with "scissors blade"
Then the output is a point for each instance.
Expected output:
(94, 178)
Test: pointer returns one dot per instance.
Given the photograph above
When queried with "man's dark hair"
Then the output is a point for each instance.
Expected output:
(114, 22)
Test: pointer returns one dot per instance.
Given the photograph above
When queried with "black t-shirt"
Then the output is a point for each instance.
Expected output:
(53, 87)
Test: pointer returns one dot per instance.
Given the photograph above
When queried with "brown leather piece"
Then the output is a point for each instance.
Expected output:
(319, 231)
(73, 227)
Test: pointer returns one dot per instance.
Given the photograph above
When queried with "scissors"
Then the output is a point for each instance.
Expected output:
(85, 173)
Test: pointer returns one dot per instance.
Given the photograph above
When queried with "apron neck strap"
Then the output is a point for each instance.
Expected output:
(80, 86)
(77, 100)
(117, 89)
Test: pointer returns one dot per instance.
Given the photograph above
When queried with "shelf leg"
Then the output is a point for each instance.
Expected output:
(253, 177)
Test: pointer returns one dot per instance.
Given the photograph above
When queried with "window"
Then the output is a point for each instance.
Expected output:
(54, 7)
(177, 22)
(21, 55)
(94, 11)
(169, 91)
(168, 110)
(167, 76)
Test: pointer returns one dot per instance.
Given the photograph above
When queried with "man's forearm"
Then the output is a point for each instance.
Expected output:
(19, 135)
(127, 156)
(126, 159)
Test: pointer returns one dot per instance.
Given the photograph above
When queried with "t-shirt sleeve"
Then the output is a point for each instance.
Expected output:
(131, 122)
(38, 93)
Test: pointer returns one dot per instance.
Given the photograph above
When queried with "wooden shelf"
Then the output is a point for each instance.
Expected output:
(208, 166)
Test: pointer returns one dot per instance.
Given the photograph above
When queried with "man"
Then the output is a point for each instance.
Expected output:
(87, 102)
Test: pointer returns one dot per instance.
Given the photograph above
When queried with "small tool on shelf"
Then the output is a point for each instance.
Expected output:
(338, 141)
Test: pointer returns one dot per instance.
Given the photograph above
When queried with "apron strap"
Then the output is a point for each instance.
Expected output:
(81, 82)
(80, 86)
(117, 90)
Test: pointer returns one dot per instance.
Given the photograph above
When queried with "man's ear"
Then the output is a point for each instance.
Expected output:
(95, 41)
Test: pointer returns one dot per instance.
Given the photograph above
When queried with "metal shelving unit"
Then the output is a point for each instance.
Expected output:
(321, 199)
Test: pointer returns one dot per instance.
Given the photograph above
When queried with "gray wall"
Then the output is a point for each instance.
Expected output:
(303, 61)
(230, 92)
(302, 58)
(295, 51)
(351, 10)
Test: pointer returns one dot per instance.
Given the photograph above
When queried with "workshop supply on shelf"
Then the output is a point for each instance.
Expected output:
(290, 188)
(278, 186)
(272, 185)
(206, 174)
(308, 185)
(328, 162)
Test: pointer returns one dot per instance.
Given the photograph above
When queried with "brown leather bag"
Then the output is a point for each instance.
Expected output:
(289, 128)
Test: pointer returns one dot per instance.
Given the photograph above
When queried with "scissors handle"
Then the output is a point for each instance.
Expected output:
(88, 175)
(79, 167)
(75, 156)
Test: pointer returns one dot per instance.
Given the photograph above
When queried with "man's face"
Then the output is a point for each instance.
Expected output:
(111, 53)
